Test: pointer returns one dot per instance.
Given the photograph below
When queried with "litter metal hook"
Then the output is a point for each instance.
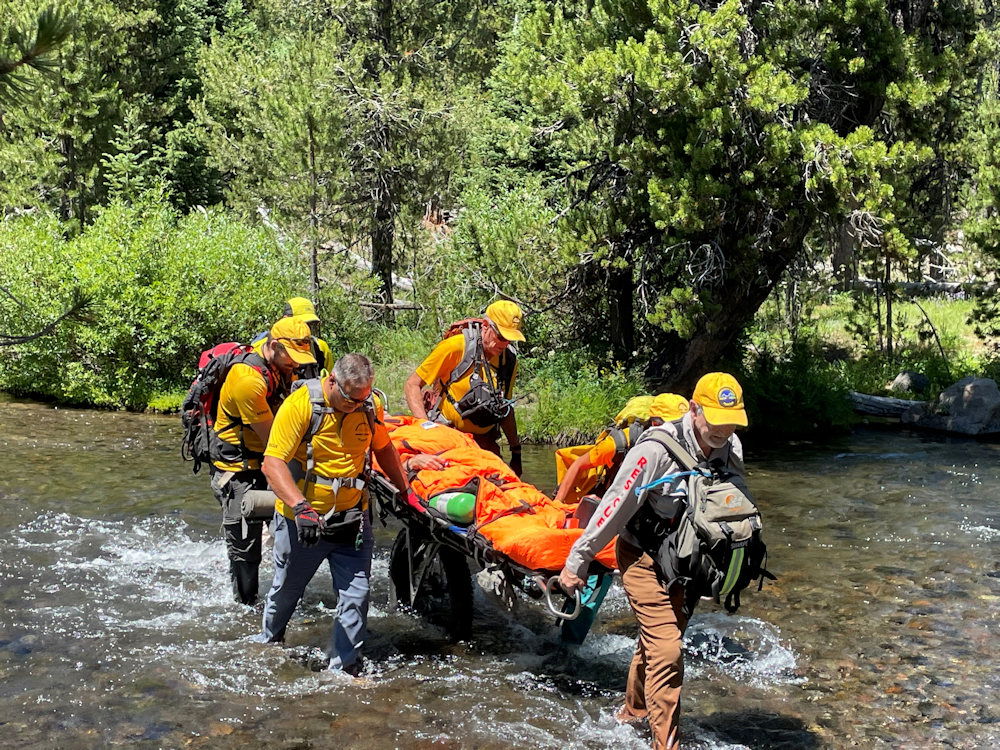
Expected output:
(556, 610)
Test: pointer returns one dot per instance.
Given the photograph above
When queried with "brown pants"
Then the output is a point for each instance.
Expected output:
(657, 670)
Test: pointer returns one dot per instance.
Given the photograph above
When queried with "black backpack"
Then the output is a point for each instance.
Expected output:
(485, 404)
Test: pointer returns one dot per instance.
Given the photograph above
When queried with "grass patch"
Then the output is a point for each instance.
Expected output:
(166, 403)
(570, 401)
(949, 317)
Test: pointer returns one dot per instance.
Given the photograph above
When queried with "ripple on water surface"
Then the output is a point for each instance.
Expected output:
(126, 614)
(116, 625)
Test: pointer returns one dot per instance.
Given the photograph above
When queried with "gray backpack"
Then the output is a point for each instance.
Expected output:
(716, 549)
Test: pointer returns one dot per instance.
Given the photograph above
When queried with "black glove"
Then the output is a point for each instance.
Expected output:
(515, 462)
(308, 523)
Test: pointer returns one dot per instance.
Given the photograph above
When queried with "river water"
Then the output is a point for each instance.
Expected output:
(116, 627)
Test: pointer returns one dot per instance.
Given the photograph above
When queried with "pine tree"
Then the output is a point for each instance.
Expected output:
(696, 146)
(338, 118)
(24, 51)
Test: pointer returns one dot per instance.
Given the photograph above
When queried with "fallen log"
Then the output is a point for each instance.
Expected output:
(882, 406)
(391, 305)
(927, 288)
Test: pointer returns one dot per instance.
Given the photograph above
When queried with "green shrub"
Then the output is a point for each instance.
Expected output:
(794, 393)
(396, 353)
(570, 399)
(163, 289)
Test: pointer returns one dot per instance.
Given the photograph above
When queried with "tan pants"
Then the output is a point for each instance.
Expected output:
(657, 670)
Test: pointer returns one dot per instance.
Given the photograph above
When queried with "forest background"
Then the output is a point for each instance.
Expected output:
(665, 186)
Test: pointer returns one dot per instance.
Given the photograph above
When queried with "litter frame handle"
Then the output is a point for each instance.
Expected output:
(556, 610)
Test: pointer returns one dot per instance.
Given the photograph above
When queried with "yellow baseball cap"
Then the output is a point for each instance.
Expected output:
(669, 406)
(721, 397)
(300, 307)
(506, 316)
(293, 334)
(635, 409)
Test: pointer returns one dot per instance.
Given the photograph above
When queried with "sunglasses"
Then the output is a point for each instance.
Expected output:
(351, 399)
(496, 332)
(296, 342)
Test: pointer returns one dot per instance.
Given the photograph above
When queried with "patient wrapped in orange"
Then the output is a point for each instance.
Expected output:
(518, 519)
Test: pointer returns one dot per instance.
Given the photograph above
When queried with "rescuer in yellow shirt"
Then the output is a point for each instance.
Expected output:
(303, 309)
(250, 394)
(317, 461)
(467, 380)
(609, 450)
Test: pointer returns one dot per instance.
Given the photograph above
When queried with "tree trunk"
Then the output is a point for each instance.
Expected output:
(679, 363)
(313, 209)
(843, 255)
(383, 190)
(622, 324)
(383, 234)
(888, 306)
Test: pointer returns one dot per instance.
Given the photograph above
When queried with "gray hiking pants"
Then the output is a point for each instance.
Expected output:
(294, 567)
(243, 542)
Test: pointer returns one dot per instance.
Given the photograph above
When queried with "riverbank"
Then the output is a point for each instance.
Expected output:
(171, 293)
(563, 400)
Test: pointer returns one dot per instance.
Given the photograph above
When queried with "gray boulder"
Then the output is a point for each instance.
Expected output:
(969, 407)
(911, 381)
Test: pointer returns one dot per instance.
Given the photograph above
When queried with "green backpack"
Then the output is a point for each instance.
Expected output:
(716, 549)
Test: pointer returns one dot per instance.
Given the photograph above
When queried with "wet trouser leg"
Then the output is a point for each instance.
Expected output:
(244, 559)
(351, 568)
(294, 567)
(575, 631)
(243, 540)
(657, 670)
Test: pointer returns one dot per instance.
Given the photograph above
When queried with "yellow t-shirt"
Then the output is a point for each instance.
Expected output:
(326, 358)
(339, 449)
(242, 402)
(438, 366)
(603, 453)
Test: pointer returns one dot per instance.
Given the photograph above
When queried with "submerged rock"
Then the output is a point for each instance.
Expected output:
(969, 407)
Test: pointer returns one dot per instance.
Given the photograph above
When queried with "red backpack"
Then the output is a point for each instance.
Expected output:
(198, 410)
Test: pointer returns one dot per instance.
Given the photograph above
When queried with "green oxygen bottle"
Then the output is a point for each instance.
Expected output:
(460, 507)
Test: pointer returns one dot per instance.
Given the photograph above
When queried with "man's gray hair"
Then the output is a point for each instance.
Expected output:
(354, 370)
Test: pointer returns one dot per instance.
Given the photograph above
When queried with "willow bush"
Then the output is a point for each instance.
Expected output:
(162, 289)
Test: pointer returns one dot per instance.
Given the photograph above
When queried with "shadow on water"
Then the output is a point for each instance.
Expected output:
(755, 729)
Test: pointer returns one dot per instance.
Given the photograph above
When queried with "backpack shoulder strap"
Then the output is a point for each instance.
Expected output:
(257, 362)
(674, 446)
(473, 337)
(505, 369)
(369, 410)
(621, 439)
(318, 401)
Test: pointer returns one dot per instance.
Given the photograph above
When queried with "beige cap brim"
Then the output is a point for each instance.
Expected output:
(298, 356)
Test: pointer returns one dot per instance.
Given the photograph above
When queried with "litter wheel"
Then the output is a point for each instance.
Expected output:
(442, 580)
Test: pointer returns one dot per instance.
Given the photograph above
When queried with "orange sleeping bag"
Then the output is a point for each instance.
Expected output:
(519, 520)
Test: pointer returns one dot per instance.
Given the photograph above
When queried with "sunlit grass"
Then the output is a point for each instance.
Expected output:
(949, 317)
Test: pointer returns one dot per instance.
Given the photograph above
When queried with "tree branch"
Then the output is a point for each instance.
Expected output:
(76, 310)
